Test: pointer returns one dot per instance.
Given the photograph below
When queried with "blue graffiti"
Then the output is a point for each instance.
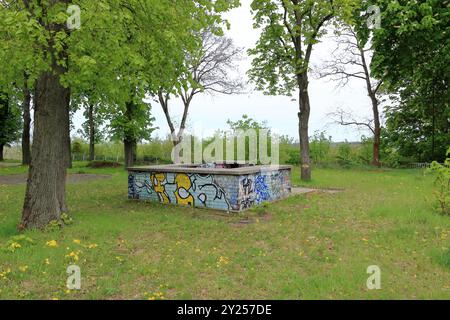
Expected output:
(131, 189)
(261, 189)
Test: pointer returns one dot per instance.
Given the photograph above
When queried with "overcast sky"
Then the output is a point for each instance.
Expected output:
(212, 112)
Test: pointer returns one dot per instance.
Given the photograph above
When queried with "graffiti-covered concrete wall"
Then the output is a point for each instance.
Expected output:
(209, 188)
(262, 187)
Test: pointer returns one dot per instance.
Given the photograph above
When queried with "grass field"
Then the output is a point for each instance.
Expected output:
(306, 247)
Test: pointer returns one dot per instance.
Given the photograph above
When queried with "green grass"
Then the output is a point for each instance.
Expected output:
(305, 247)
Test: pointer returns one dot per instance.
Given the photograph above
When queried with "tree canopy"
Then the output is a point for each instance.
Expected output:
(411, 53)
(120, 52)
(282, 55)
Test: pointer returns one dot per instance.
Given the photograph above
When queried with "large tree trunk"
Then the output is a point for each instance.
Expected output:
(129, 141)
(1, 152)
(45, 197)
(303, 116)
(26, 115)
(45, 194)
(130, 151)
(377, 133)
(91, 132)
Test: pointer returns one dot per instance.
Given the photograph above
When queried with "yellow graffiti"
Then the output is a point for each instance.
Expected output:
(182, 194)
(157, 182)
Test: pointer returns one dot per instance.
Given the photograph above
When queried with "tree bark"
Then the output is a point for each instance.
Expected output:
(377, 133)
(1, 152)
(130, 152)
(45, 194)
(91, 132)
(303, 115)
(26, 116)
(372, 92)
(129, 141)
(177, 138)
(45, 197)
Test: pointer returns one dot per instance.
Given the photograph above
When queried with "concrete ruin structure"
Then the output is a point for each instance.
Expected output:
(227, 187)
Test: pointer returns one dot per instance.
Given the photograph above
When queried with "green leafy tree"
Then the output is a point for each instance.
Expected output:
(239, 130)
(145, 68)
(17, 60)
(118, 54)
(411, 54)
(90, 129)
(289, 30)
(131, 124)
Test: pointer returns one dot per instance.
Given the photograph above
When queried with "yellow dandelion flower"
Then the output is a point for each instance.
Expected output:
(4, 274)
(222, 261)
(23, 268)
(15, 245)
(92, 246)
(76, 241)
(52, 243)
(73, 255)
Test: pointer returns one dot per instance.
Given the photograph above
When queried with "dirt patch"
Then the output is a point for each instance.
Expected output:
(9, 164)
(267, 217)
(82, 177)
(72, 178)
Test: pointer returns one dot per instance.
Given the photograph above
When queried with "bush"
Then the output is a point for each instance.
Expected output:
(293, 157)
(78, 146)
(442, 183)
(344, 156)
(391, 158)
(365, 151)
(320, 148)
(103, 164)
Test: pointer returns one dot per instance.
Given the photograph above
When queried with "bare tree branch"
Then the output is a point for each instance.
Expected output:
(208, 70)
(345, 118)
(350, 60)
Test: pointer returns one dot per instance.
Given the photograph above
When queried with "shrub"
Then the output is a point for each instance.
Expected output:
(344, 155)
(320, 148)
(103, 164)
(442, 183)
(77, 146)
(365, 151)
(293, 157)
